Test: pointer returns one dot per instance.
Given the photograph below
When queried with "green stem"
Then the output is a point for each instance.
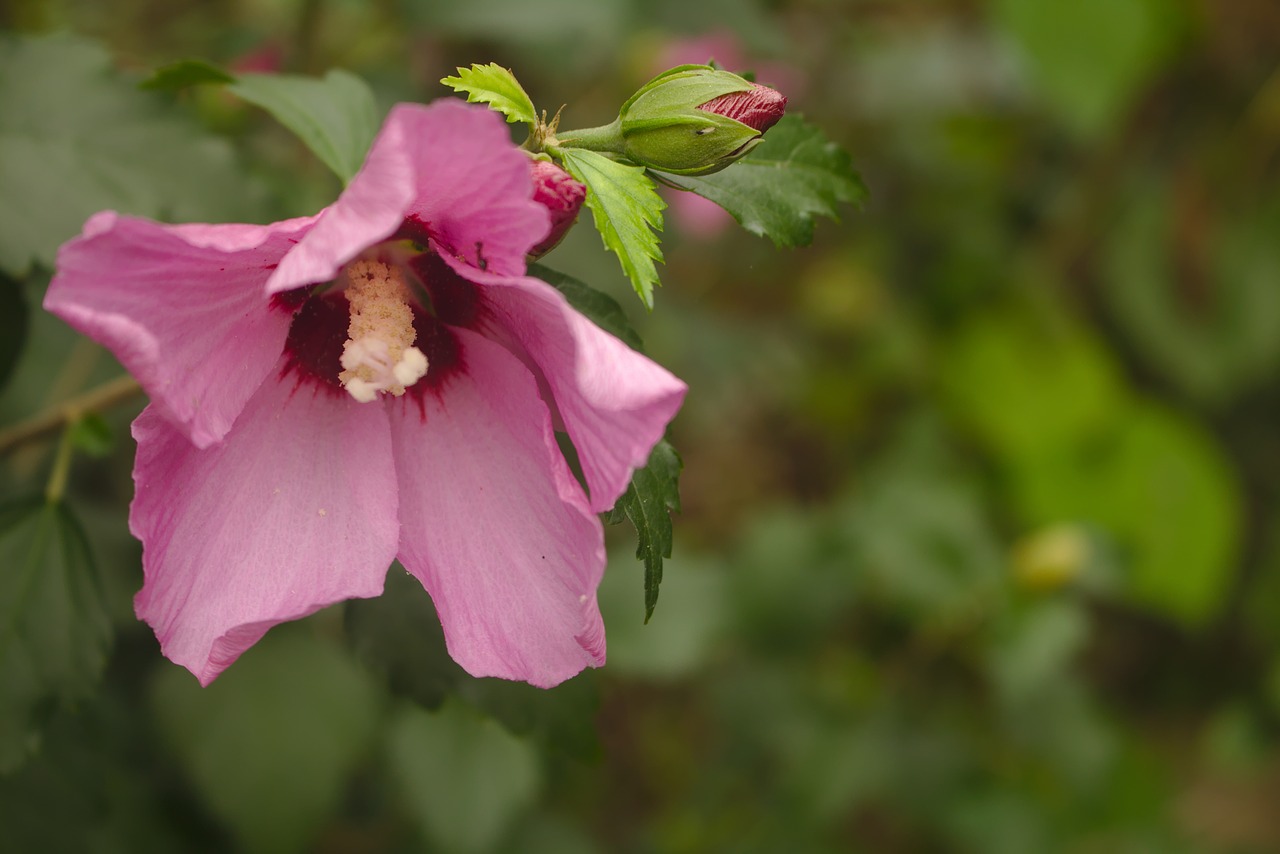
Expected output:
(61, 468)
(606, 138)
(108, 394)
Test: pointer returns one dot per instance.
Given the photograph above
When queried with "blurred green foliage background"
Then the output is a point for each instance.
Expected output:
(979, 548)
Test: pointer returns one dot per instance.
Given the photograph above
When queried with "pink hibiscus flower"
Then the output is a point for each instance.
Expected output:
(377, 381)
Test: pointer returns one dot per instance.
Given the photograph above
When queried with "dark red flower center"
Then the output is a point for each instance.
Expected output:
(320, 328)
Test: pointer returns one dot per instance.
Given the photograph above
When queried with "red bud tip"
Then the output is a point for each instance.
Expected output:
(562, 196)
(759, 107)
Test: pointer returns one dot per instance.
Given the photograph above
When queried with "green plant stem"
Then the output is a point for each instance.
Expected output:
(57, 485)
(606, 138)
(64, 414)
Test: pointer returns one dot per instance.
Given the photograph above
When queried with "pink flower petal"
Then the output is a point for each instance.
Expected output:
(614, 403)
(494, 525)
(293, 511)
(182, 309)
(449, 165)
(370, 210)
(475, 188)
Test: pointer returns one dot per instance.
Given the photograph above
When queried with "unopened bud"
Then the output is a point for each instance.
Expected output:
(758, 107)
(562, 196)
(695, 119)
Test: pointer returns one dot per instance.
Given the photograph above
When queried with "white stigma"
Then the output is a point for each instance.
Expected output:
(379, 355)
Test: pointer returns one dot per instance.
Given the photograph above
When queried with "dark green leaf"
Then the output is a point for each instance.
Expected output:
(184, 74)
(654, 493)
(553, 718)
(496, 86)
(627, 211)
(335, 116)
(398, 636)
(269, 745)
(54, 628)
(77, 137)
(13, 325)
(600, 308)
(1216, 331)
(777, 190)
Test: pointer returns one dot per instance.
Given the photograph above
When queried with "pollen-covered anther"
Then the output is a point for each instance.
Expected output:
(379, 355)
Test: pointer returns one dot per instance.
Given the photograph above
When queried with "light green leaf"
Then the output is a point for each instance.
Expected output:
(627, 211)
(1158, 484)
(1030, 384)
(795, 174)
(496, 86)
(463, 777)
(651, 497)
(54, 627)
(335, 116)
(1077, 445)
(269, 745)
(77, 137)
(1090, 57)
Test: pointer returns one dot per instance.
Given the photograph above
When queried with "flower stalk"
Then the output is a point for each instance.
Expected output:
(65, 414)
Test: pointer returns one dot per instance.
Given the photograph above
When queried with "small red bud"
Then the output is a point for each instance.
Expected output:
(562, 196)
(758, 107)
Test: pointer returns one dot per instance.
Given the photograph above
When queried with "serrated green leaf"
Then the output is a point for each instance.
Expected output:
(54, 627)
(496, 86)
(335, 116)
(652, 496)
(627, 211)
(794, 175)
(77, 137)
(185, 73)
(600, 308)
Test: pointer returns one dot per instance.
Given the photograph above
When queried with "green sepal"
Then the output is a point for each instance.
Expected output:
(663, 127)
(792, 176)
(684, 87)
(651, 497)
(496, 86)
(627, 211)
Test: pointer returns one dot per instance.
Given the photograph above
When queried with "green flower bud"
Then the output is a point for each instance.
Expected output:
(695, 119)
